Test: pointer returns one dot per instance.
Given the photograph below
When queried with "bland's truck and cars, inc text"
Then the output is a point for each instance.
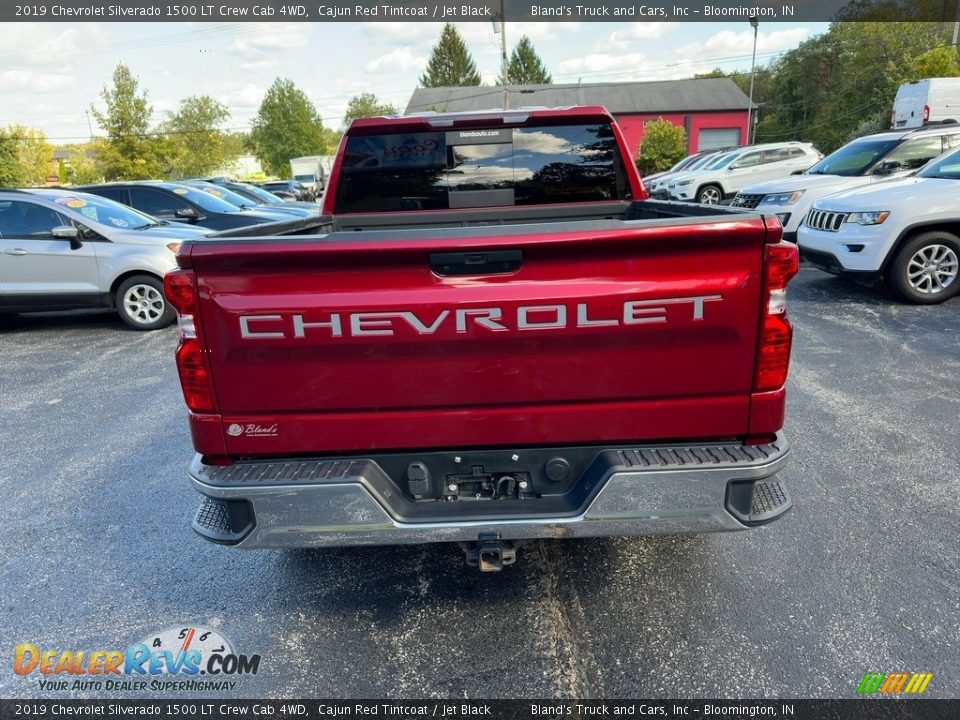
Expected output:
(490, 335)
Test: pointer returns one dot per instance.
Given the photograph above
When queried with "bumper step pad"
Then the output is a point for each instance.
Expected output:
(223, 521)
(767, 500)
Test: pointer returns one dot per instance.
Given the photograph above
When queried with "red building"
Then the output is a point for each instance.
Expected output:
(713, 111)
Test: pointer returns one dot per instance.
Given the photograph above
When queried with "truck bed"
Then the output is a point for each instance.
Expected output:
(624, 211)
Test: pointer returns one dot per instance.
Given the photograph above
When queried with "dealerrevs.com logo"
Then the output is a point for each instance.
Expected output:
(171, 660)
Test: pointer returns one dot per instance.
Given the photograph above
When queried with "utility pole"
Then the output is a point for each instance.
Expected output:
(89, 126)
(754, 23)
(501, 28)
(956, 24)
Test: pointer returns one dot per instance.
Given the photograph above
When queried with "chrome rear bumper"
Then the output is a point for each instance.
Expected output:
(719, 491)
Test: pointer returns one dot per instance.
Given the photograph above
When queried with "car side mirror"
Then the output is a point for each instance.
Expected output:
(68, 232)
(187, 214)
(886, 168)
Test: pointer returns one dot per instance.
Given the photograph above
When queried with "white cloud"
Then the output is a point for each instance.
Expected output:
(680, 63)
(425, 35)
(268, 46)
(602, 62)
(639, 31)
(408, 34)
(399, 59)
(540, 30)
(270, 39)
(35, 44)
(243, 96)
(727, 42)
(35, 82)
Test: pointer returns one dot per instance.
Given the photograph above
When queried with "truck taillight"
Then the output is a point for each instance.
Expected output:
(180, 287)
(781, 263)
(195, 376)
(926, 114)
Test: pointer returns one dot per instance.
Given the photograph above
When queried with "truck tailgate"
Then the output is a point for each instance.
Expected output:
(616, 332)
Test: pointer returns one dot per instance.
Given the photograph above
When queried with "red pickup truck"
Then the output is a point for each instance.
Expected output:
(490, 335)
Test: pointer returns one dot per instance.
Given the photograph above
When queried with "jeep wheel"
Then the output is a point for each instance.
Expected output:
(141, 304)
(709, 195)
(925, 269)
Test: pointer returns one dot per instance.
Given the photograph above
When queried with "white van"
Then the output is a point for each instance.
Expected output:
(934, 100)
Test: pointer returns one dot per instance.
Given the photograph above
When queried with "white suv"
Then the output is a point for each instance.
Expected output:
(906, 230)
(865, 161)
(724, 177)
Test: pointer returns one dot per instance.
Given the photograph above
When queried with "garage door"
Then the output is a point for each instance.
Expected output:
(716, 138)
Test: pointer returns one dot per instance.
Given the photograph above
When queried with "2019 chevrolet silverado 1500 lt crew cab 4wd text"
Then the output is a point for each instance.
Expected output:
(490, 335)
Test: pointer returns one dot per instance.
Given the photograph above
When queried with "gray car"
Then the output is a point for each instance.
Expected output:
(64, 250)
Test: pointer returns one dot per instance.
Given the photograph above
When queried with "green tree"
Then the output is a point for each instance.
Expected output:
(331, 138)
(26, 156)
(366, 105)
(84, 162)
(131, 151)
(938, 62)
(663, 145)
(287, 126)
(195, 142)
(823, 90)
(526, 67)
(11, 173)
(34, 154)
(450, 63)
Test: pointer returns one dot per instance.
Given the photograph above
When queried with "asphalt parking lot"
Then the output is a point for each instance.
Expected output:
(861, 576)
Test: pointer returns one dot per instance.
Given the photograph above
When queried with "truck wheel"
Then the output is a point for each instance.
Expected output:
(141, 304)
(925, 269)
(709, 195)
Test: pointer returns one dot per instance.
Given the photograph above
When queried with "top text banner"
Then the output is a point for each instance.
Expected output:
(477, 11)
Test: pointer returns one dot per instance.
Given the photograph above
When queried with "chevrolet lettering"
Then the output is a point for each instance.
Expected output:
(533, 317)
(489, 335)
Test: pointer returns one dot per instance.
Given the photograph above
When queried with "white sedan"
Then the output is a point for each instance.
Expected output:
(906, 231)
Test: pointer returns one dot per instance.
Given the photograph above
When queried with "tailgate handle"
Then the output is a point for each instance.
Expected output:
(488, 262)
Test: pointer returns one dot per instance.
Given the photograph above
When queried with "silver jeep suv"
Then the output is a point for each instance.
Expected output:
(64, 250)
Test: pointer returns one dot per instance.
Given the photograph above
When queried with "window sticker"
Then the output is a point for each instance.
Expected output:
(72, 202)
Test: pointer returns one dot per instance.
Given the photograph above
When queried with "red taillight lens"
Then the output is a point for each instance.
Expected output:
(194, 376)
(781, 263)
(926, 113)
(774, 357)
(180, 287)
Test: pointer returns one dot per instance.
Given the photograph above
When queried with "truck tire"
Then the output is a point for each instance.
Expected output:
(709, 195)
(141, 304)
(925, 269)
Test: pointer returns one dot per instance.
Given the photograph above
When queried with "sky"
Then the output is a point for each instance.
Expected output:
(50, 73)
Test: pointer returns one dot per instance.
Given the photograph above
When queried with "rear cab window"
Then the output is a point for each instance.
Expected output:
(470, 168)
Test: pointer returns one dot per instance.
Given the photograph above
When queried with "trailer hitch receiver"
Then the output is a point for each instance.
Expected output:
(490, 553)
